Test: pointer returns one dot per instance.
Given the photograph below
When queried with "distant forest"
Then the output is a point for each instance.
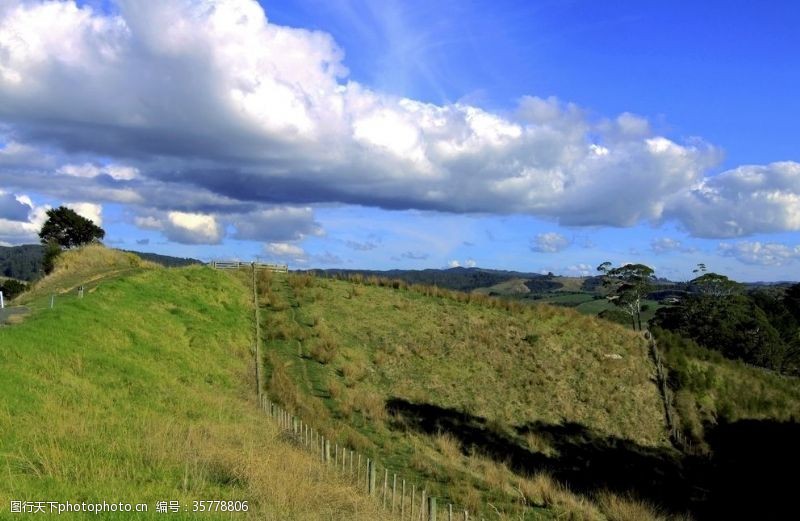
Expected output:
(25, 262)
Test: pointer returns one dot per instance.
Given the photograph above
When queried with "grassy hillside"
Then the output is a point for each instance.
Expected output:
(710, 389)
(460, 390)
(143, 391)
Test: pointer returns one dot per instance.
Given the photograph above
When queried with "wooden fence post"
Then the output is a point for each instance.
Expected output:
(385, 484)
(422, 505)
(413, 495)
(403, 501)
(432, 508)
(371, 477)
(450, 512)
(327, 450)
(394, 490)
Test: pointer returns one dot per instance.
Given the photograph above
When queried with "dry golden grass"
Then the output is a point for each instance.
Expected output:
(448, 446)
(541, 489)
(85, 266)
(619, 508)
(502, 362)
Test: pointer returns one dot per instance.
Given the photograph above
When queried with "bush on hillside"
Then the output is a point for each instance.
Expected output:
(11, 288)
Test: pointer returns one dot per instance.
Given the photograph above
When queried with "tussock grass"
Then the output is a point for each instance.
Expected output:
(504, 363)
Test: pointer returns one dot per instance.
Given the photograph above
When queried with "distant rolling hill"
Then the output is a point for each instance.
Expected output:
(461, 279)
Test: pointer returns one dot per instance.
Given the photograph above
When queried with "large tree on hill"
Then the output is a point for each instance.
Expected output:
(628, 286)
(64, 228)
(67, 229)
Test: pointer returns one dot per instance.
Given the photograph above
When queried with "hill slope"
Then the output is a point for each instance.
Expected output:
(142, 391)
(497, 406)
(25, 262)
(460, 389)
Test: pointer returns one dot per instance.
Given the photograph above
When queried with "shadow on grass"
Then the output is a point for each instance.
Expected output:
(743, 479)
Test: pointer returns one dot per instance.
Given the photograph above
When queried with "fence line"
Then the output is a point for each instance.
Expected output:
(363, 471)
(675, 433)
(292, 426)
(235, 265)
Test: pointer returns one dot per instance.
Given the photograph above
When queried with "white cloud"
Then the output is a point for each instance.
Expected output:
(148, 222)
(758, 253)
(669, 245)
(192, 228)
(469, 263)
(286, 252)
(581, 270)
(91, 211)
(743, 201)
(211, 99)
(550, 242)
(214, 95)
(14, 207)
(20, 219)
(88, 170)
(276, 224)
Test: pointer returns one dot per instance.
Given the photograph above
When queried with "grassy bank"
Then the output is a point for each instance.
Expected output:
(142, 391)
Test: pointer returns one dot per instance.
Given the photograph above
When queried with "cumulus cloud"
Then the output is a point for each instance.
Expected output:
(758, 253)
(214, 95)
(581, 270)
(286, 252)
(88, 170)
(550, 242)
(192, 228)
(20, 219)
(669, 245)
(469, 263)
(746, 200)
(91, 211)
(276, 224)
(12, 209)
(239, 114)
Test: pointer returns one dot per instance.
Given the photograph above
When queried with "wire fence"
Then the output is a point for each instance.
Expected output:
(396, 494)
(391, 490)
(676, 435)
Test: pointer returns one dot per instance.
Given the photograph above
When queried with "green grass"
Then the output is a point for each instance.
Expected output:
(708, 388)
(340, 350)
(143, 391)
(568, 299)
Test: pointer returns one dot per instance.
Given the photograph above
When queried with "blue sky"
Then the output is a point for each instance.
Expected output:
(537, 136)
